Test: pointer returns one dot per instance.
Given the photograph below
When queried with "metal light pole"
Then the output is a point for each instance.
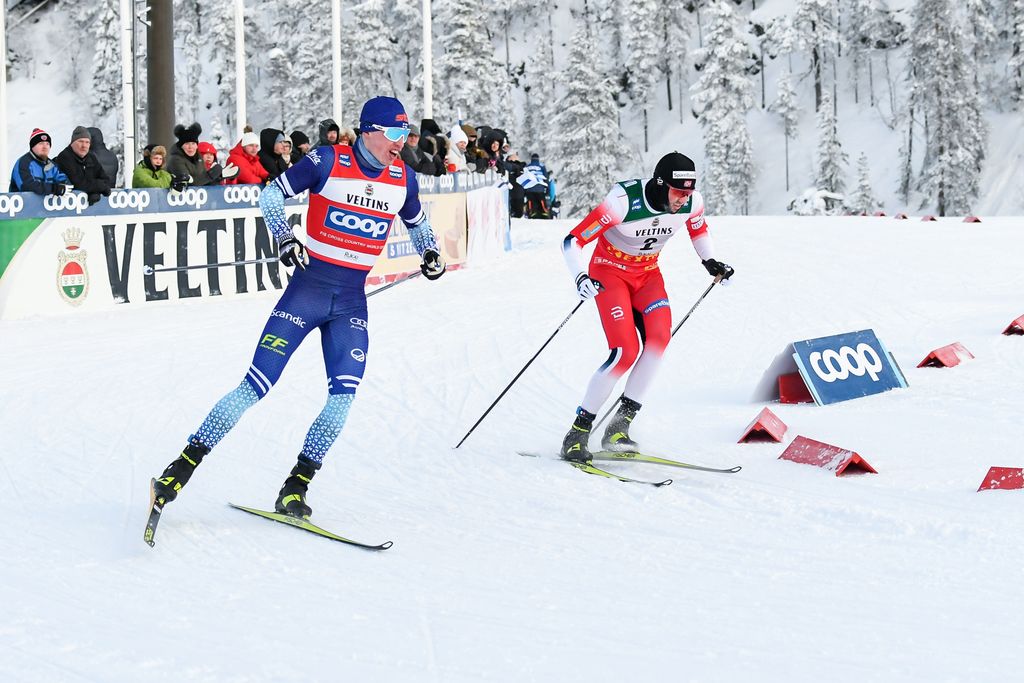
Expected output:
(428, 63)
(336, 61)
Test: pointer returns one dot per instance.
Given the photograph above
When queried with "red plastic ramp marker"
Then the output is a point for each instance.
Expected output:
(765, 427)
(946, 356)
(829, 457)
(901, 216)
(1003, 478)
(929, 218)
(971, 219)
(793, 390)
(1015, 327)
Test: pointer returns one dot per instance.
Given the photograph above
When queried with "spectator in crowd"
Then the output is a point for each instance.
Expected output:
(218, 175)
(476, 158)
(150, 172)
(245, 155)
(184, 163)
(516, 193)
(456, 159)
(106, 158)
(272, 151)
(492, 146)
(34, 171)
(82, 168)
(417, 159)
(328, 133)
(302, 145)
(347, 136)
(432, 141)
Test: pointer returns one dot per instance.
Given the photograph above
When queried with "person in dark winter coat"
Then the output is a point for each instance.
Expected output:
(329, 131)
(82, 167)
(35, 171)
(417, 159)
(432, 141)
(184, 162)
(300, 145)
(107, 158)
(271, 151)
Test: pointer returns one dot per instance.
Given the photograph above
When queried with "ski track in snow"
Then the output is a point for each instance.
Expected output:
(508, 568)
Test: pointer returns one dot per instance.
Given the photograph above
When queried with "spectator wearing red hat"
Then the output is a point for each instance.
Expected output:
(245, 155)
(34, 171)
(219, 175)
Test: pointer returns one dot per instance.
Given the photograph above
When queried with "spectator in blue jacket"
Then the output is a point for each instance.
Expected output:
(35, 172)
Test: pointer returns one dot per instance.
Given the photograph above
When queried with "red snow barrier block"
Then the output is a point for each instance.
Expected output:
(793, 390)
(820, 454)
(1003, 478)
(1015, 326)
(879, 213)
(946, 356)
(901, 216)
(765, 427)
(971, 219)
(929, 218)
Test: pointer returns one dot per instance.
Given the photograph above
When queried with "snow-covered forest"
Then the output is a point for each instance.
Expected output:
(903, 105)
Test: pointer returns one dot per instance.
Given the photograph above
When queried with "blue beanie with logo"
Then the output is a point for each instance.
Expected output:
(382, 111)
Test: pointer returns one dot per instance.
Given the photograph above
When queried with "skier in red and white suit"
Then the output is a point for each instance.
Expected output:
(631, 227)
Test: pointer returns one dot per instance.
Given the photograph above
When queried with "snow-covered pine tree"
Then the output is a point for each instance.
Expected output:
(305, 89)
(831, 158)
(588, 146)
(981, 39)
(188, 70)
(788, 109)
(1015, 66)
(218, 20)
(367, 53)
(469, 80)
(406, 26)
(722, 96)
(674, 20)
(864, 26)
(540, 105)
(863, 200)
(643, 55)
(943, 93)
(815, 25)
(105, 76)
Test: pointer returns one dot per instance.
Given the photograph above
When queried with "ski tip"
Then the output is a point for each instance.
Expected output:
(385, 545)
(664, 483)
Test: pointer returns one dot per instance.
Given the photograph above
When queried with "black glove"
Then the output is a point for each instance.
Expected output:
(433, 266)
(292, 252)
(58, 189)
(716, 268)
(180, 182)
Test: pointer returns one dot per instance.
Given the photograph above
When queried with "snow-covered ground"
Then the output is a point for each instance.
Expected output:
(515, 569)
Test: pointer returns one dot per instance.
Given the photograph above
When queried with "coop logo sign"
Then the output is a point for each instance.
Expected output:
(357, 224)
(846, 366)
(69, 201)
(129, 199)
(242, 194)
(11, 204)
(190, 196)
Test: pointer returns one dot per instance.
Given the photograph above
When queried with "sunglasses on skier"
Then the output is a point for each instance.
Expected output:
(392, 133)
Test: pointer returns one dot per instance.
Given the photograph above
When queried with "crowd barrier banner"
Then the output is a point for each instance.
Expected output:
(489, 223)
(58, 255)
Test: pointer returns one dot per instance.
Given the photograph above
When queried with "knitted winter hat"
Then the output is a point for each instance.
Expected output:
(458, 135)
(80, 132)
(39, 135)
(382, 111)
(189, 134)
(207, 148)
(250, 138)
(413, 130)
(299, 138)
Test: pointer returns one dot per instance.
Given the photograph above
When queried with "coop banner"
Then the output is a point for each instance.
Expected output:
(845, 366)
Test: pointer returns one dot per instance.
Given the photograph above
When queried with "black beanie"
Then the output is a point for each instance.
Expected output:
(39, 135)
(299, 138)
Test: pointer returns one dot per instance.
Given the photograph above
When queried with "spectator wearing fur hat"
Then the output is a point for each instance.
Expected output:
(347, 136)
(150, 172)
(245, 155)
(301, 145)
(82, 168)
(328, 133)
(34, 171)
(272, 152)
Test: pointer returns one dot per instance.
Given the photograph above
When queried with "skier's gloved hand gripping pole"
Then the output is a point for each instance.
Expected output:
(587, 289)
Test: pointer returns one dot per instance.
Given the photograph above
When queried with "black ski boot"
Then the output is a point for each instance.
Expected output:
(178, 472)
(292, 498)
(616, 436)
(574, 445)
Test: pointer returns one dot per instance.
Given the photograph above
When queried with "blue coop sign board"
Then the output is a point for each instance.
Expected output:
(845, 366)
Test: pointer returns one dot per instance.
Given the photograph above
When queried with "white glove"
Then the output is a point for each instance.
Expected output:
(230, 171)
(587, 286)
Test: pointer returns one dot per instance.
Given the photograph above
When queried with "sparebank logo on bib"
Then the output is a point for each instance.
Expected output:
(357, 224)
(846, 366)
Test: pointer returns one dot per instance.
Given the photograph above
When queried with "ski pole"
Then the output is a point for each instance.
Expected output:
(396, 282)
(149, 270)
(505, 390)
(674, 330)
